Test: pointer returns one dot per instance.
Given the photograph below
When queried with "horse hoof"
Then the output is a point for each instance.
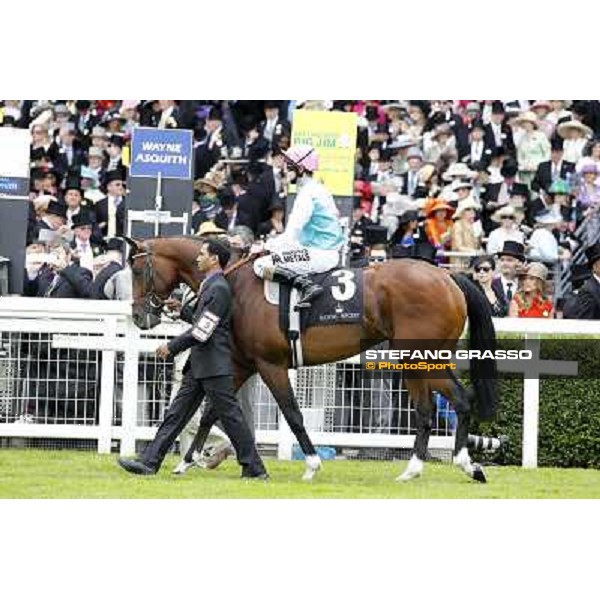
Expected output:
(313, 464)
(182, 467)
(479, 473)
(221, 453)
(413, 470)
(407, 476)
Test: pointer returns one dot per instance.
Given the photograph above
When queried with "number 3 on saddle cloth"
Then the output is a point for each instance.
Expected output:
(340, 303)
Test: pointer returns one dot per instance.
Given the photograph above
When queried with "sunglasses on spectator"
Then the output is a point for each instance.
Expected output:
(483, 269)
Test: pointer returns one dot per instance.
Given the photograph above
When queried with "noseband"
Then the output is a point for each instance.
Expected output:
(153, 303)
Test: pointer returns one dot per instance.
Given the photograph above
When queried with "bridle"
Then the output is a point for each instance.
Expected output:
(153, 303)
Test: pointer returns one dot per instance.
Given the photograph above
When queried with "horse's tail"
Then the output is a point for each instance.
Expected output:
(482, 336)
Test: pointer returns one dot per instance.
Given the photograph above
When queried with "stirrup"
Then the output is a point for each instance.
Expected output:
(309, 293)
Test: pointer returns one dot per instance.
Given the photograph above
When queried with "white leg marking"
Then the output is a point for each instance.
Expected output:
(313, 464)
(413, 469)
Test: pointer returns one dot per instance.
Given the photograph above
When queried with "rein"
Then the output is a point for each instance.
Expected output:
(153, 302)
(247, 259)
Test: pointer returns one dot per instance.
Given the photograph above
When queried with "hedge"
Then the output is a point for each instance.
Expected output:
(569, 425)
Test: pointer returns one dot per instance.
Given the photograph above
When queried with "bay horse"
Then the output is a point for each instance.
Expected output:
(404, 299)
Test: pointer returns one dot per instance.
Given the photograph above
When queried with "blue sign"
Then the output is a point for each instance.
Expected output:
(165, 151)
(14, 186)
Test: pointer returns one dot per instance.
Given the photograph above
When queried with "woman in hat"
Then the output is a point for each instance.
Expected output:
(587, 195)
(206, 201)
(440, 144)
(404, 236)
(458, 171)
(542, 244)
(465, 236)
(483, 274)
(531, 300)
(438, 223)
(508, 230)
(576, 136)
(418, 111)
(587, 201)
(533, 146)
(558, 113)
(591, 155)
(557, 200)
(541, 108)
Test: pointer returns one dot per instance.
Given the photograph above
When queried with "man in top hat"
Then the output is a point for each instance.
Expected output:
(69, 279)
(112, 282)
(111, 210)
(358, 243)
(274, 126)
(579, 275)
(114, 150)
(70, 155)
(498, 134)
(83, 246)
(510, 259)
(587, 303)
(54, 219)
(410, 179)
(554, 169)
(212, 148)
(96, 161)
(477, 150)
(99, 137)
(228, 218)
(86, 118)
(73, 198)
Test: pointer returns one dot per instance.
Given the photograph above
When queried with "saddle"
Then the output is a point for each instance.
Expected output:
(341, 302)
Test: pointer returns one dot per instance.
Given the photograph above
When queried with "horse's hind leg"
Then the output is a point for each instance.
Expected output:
(459, 396)
(277, 380)
(420, 394)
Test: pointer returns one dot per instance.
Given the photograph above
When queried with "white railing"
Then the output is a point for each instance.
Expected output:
(86, 372)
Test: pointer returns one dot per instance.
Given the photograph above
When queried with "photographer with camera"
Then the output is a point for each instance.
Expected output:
(58, 274)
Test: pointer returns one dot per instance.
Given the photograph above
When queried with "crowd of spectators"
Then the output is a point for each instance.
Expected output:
(508, 190)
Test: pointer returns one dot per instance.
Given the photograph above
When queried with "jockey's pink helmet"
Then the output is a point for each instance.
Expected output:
(304, 156)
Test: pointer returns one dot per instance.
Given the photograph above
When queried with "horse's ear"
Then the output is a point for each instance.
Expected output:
(132, 244)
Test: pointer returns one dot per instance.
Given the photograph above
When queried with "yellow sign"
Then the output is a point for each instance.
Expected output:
(333, 135)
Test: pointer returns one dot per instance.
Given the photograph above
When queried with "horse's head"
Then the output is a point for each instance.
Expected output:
(154, 277)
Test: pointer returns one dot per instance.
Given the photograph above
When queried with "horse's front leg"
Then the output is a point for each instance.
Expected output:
(277, 380)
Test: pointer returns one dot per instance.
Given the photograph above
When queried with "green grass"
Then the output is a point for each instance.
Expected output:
(77, 474)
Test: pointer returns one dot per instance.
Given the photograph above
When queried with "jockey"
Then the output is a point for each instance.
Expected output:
(313, 235)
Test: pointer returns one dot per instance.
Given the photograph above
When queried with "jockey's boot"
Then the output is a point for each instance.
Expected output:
(308, 289)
